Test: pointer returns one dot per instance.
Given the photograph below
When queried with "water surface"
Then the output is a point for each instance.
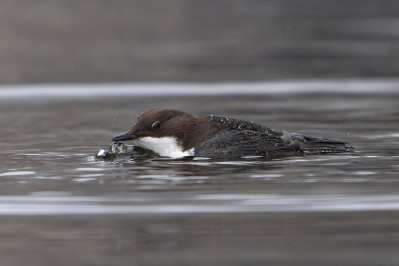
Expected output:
(58, 205)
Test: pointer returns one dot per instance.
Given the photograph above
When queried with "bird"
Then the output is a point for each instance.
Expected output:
(177, 134)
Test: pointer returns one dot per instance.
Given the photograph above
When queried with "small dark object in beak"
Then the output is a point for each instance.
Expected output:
(124, 136)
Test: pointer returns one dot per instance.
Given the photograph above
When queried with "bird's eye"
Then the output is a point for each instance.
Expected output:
(155, 125)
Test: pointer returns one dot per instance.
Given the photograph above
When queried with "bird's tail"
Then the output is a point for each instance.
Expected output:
(312, 145)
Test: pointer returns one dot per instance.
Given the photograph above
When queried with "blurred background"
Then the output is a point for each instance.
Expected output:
(74, 73)
(73, 41)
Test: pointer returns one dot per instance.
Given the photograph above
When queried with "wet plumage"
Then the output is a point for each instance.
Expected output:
(219, 137)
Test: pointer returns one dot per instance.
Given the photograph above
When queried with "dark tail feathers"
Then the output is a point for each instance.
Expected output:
(312, 145)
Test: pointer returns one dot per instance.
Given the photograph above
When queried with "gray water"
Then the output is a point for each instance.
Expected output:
(59, 206)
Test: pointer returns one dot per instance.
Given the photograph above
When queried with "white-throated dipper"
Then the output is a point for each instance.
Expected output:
(173, 133)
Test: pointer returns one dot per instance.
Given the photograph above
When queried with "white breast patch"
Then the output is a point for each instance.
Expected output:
(165, 146)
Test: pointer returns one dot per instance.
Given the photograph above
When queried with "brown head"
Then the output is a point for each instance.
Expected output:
(158, 123)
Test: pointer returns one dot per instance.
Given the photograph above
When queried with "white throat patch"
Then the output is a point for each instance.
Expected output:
(165, 146)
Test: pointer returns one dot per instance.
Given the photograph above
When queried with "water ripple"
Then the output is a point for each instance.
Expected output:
(209, 203)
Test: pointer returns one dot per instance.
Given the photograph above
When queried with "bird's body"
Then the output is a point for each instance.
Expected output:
(176, 134)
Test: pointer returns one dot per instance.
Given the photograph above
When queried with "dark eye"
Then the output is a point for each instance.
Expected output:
(155, 125)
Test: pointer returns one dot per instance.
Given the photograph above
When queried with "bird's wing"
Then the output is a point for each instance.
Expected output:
(233, 143)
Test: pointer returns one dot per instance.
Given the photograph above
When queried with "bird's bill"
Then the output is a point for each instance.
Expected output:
(124, 136)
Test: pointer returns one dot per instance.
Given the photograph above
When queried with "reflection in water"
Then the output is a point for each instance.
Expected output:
(61, 206)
